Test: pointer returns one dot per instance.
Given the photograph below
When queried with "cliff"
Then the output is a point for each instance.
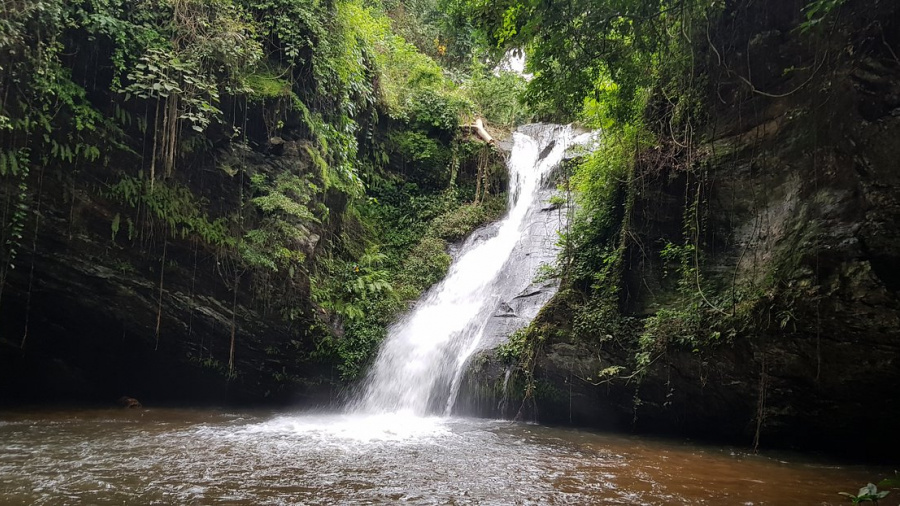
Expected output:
(214, 202)
(757, 295)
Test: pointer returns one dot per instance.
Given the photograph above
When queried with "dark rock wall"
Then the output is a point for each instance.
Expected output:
(92, 303)
(799, 212)
(801, 206)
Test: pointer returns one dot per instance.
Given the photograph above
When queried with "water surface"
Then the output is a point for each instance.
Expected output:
(177, 456)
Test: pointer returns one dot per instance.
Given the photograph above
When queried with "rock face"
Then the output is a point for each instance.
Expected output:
(800, 205)
(536, 251)
(537, 248)
(87, 313)
(803, 205)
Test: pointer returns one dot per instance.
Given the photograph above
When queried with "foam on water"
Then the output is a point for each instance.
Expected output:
(355, 428)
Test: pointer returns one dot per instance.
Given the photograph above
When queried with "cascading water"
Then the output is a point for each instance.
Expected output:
(419, 366)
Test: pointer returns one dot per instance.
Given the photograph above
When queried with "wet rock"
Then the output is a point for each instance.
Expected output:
(129, 402)
(276, 145)
(94, 304)
(505, 311)
(546, 151)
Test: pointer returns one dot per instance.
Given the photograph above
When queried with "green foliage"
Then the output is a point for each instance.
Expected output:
(413, 85)
(432, 110)
(680, 258)
(593, 263)
(521, 352)
(592, 61)
(11, 161)
(406, 72)
(599, 320)
(461, 221)
(173, 205)
(557, 200)
(515, 348)
(340, 61)
(161, 74)
(869, 493)
(363, 296)
(498, 96)
(93, 84)
(426, 264)
(211, 364)
(117, 221)
(424, 159)
(277, 242)
(426, 25)
(601, 183)
(288, 197)
(347, 289)
(266, 86)
(15, 226)
(565, 58)
(44, 116)
(413, 227)
(817, 11)
(290, 28)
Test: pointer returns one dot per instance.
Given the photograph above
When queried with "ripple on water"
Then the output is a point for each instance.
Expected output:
(191, 457)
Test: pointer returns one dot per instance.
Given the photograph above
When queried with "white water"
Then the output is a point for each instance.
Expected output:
(420, 363)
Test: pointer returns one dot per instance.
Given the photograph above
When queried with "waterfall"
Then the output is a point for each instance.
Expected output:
(419, 366)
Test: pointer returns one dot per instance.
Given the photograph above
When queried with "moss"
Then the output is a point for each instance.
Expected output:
(423, 159)
(459, 222)
(266, 86)
(426, 264)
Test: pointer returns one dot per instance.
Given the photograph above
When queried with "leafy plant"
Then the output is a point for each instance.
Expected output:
(869, 493)
(175, 206)
(514, 348)
(461, 221)
(498, 96)
(545, 272)
(816, 12)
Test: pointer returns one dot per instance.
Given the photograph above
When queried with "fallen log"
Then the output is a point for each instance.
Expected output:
(478, 126)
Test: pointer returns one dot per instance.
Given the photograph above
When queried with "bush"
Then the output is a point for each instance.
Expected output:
(426, 264)
(498, 97)
(457, 223)
(423, 159)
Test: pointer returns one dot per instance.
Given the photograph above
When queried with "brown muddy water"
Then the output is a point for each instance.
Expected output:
(178, 456)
